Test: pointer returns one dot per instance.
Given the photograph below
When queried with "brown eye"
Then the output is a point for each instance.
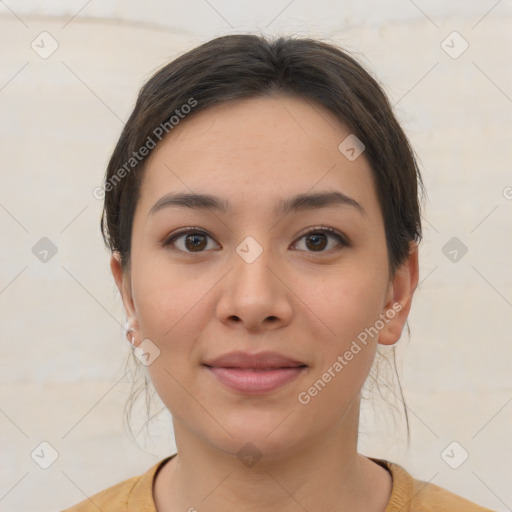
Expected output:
(195, 242)
(318, 239)
(191, 241)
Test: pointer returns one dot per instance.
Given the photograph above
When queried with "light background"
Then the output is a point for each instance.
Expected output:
(63, 348)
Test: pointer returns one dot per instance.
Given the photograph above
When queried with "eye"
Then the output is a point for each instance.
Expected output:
(317, 237)
(193, 240)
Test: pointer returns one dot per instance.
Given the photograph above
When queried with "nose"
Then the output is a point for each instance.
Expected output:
(255, 293)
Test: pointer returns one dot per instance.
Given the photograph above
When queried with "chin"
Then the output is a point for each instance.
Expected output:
(255, 436)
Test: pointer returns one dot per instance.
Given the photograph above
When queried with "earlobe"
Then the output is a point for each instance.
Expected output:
(400, 296)
(115, 267)
(123, 285)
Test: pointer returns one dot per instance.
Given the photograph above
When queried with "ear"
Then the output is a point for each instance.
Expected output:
(399, 298)
(123, 284)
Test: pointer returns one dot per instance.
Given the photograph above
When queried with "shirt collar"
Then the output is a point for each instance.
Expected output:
(141, 496)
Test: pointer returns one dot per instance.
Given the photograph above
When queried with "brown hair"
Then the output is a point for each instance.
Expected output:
(243, 66)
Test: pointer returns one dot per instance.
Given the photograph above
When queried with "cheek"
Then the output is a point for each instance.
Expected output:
(345, 304)
(165, 295)
(170, 313)
(347, 307)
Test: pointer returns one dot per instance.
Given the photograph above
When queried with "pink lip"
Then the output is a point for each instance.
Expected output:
(255, 373)
(252, 381)
(259, 360)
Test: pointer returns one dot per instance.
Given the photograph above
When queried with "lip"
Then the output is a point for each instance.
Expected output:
(255, 373)
(259, 360)
(255, 382)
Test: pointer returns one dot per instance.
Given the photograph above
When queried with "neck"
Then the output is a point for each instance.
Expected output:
(325, 474)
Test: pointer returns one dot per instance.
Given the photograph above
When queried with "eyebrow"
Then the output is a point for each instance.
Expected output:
(300, 202)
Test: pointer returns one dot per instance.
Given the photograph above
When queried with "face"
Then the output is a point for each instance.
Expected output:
(305, 283)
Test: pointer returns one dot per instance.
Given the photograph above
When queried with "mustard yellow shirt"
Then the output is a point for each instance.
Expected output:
(407, 495)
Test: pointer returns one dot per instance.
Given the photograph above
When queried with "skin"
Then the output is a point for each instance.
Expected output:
(306, 303)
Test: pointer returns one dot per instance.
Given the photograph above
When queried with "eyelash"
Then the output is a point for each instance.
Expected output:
(342, 240)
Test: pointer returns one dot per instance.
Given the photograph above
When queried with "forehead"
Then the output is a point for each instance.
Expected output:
(255, 152)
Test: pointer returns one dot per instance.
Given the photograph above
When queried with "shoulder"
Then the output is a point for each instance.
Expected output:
(412, 495)
(112, 499)
(133, 494)
(429, 497)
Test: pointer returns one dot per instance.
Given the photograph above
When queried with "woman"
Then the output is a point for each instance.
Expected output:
(261, 206)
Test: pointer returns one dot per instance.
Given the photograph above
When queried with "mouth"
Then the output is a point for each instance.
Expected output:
(254, 373)
(255, 380)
